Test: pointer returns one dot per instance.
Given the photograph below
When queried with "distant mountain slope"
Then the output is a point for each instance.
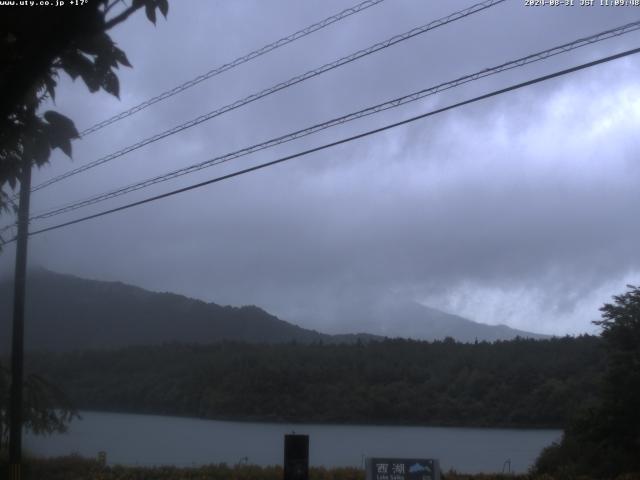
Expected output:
(67, 313)
(413, 320)
(394, 316)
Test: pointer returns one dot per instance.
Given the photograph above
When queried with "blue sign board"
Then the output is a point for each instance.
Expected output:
(402, 469)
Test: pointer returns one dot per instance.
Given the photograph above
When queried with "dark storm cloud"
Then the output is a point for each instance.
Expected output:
(516, 210)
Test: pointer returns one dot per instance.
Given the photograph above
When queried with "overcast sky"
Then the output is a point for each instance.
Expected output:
(521, 209)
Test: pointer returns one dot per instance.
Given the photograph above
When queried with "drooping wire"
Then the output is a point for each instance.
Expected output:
(280, 86)
(536, 57)
(345, 140)
(234, 63)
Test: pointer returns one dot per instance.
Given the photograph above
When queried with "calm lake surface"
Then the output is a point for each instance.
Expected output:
(155, 440)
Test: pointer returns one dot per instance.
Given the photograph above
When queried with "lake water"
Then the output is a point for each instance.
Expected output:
(155, 440)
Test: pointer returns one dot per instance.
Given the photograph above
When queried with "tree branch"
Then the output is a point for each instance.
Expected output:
(108, 7)
(121, 17)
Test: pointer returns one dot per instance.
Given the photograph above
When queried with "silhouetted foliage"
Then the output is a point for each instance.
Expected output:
(604, 439)
(36, 44)
(46, 408)
(532, 383)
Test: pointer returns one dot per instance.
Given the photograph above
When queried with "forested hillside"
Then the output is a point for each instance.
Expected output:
(65, 312)
(513, 383)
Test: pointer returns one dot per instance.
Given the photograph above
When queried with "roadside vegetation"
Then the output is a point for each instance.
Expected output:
(77, 468)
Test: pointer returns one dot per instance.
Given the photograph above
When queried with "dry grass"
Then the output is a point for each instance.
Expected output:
(78, 468)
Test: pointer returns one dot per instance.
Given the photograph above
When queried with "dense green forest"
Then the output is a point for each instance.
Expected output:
(518, 383)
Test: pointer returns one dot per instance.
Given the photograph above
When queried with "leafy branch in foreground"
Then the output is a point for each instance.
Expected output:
(46, 408)
(36, 44)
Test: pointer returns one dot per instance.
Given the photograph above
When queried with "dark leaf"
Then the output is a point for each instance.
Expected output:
(50, 84)
(76, 64)
(65, 146)
(41, 149)
(10, 137)
(92, 81)
(150, 10)
(62, 124)
(103, 64)
(121, 57)
(111, 84)
(163, 5)
(99, 44)
(106, 58)
(60, 130)
(72, 71)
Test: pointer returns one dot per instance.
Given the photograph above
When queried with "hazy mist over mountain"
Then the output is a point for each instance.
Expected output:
(395, 315)
(67, 313)
(514, 210)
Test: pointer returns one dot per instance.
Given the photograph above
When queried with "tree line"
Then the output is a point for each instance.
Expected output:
(602, 439)
(518, 383)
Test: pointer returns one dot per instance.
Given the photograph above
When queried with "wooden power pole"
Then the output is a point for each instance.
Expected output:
(17, 345)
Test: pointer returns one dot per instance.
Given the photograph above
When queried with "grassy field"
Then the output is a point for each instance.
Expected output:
(77, 468)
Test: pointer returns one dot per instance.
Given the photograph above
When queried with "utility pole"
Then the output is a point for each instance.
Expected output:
(17, 345)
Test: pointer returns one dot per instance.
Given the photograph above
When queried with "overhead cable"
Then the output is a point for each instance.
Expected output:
(234, 63)
(280, 86)
(343, 141)
(344, 119)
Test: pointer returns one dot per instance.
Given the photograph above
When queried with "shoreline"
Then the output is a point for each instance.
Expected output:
(281, 421)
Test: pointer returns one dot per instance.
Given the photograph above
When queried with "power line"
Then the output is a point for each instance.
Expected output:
(292, 81)
(345, 140)
(614, 32)
(228, 66)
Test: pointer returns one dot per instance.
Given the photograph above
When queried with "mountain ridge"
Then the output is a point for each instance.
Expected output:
(65, 312)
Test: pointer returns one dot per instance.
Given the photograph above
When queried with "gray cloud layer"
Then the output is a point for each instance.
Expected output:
(518, 210)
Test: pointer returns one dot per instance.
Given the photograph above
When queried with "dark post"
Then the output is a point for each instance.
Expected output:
(296, 457)
(17, 346)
